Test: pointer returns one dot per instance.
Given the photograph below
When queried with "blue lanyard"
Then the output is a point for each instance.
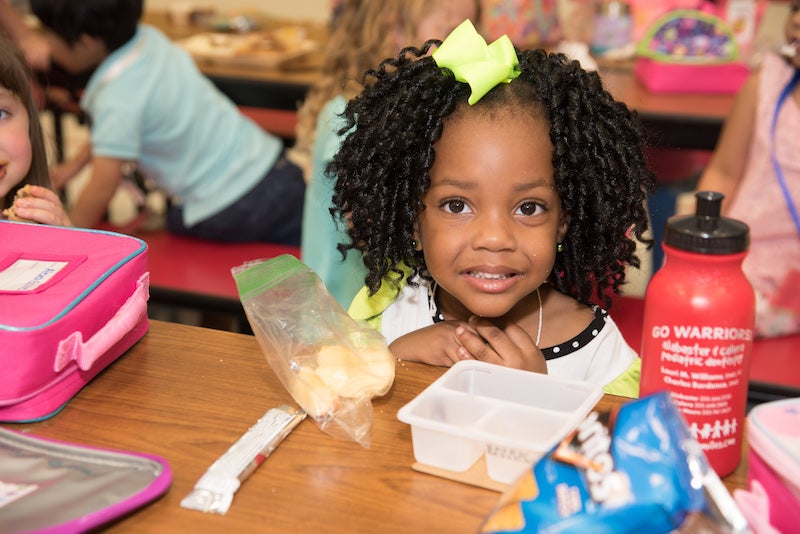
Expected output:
(777, 166)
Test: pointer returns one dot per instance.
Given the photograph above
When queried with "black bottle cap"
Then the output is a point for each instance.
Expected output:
(706, 232)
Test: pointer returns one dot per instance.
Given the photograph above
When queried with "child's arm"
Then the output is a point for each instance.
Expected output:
(437, 344)
(34, 45)
(448, 342)
(727, 164)
(94, 198)
(66, 171)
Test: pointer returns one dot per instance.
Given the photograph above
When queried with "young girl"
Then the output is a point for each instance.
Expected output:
(489, 222)
(23, 160)
(762, 191)
(364, 32)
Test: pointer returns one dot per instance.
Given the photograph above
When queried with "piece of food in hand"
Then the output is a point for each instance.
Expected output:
(11, 213)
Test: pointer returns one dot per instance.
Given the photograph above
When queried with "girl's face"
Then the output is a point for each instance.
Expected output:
(15, 144)
(792, 30)
(492, 216)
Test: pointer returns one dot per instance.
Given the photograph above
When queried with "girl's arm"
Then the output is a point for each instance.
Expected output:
(66, 171)
(448, 342)
(34, 46)
(437, 344)
(92, 203)
(727, 164)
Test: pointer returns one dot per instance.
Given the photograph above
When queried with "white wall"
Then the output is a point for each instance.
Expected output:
(316, 10)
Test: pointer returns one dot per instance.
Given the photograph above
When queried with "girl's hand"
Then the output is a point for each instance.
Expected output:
(42, 206)
(437, 344)
(511, 347)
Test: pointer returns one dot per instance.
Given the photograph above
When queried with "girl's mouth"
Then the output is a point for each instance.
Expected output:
(489, 276)
(492, 282)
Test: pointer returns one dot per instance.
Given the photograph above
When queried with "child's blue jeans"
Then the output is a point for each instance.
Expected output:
(271, 212)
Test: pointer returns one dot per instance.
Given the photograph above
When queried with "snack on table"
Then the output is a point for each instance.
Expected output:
(337, 372)
(330, 364)
(11, 213)
(640, 471)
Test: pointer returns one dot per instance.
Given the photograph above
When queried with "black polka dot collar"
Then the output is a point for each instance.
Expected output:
(550, 353)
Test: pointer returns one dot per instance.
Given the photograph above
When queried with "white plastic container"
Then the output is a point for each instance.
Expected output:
(513, 417)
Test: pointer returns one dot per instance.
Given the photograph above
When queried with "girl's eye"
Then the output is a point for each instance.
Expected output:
(3, 113)
(529, 208)
(455, 205)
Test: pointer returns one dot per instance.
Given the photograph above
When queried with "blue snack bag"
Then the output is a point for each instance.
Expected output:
(636, 469)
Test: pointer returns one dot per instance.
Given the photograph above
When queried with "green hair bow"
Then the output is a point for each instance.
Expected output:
(474, 62)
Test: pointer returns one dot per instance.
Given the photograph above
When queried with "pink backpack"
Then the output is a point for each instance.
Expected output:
(71, 302)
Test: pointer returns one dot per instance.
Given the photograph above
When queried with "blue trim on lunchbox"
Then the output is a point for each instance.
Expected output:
(41, 417)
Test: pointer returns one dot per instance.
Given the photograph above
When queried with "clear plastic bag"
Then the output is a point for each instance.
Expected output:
(331, 365)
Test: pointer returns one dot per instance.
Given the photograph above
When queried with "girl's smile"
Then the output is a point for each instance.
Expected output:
(491, 279)
(492, 216)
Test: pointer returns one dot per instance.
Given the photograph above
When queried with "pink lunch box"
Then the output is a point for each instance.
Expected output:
(773, 502)
(664, 77)
(71, 302)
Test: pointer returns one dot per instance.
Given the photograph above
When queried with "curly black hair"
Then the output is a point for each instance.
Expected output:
(600, 172)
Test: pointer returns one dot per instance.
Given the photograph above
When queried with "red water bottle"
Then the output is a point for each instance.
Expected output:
(698, 328)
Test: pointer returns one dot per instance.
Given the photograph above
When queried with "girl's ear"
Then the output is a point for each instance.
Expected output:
(563, 226)
(416, 238)
(416, 241)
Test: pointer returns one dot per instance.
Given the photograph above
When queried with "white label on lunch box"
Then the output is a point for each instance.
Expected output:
(28, 275)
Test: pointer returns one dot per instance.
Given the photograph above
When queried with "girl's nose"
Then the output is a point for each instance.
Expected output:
(493, 232)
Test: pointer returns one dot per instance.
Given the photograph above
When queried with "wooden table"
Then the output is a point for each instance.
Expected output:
(686, 121)
(283, 87)
(187, 393)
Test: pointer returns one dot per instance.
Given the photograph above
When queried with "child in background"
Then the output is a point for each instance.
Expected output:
(23, 159)
(490, 222)
(149, 104)
(364, 33)
(761, 192)
(34, 46)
